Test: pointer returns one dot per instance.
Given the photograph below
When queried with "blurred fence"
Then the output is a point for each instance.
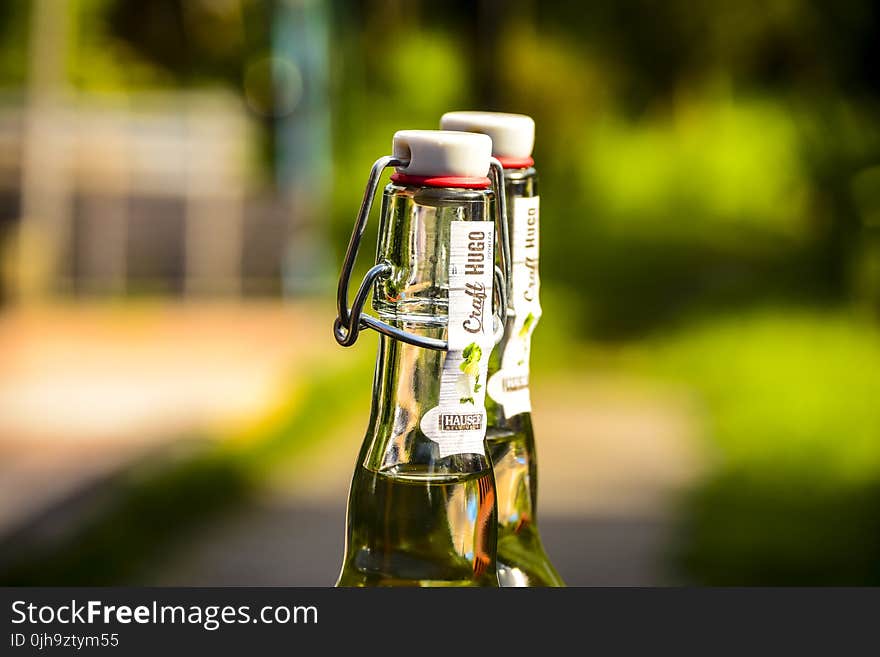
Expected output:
(115, 180)
(92, 169)
(150, 192)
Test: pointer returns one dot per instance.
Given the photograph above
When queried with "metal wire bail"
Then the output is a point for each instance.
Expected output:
(502, 235)
(349, 321)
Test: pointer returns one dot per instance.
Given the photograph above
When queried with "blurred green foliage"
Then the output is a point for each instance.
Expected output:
(792, 411)
(785, 416)
(13, 44)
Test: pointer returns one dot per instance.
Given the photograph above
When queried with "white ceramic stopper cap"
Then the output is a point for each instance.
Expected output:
(513, 135)
(442, 153)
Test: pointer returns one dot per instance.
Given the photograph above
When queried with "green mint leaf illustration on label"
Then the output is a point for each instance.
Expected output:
(527, 324)
(471, 355)
(467, 400)
(470, 364)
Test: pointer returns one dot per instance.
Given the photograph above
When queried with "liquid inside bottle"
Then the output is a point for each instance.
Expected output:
(415, 528)
(522, 560)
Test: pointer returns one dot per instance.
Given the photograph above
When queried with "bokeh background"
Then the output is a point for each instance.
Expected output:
(178, 179)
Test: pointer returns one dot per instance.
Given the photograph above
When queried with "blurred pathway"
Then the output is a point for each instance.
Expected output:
(613, 457)
(84, 390)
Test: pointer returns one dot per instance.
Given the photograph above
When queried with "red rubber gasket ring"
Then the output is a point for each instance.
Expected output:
(442, 181)
(516, 162)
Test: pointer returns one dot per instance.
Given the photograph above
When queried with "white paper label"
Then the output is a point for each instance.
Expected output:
(509, 386)
(458, 423)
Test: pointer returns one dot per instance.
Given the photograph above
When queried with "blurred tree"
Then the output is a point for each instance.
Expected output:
(14, 21)
(192, 41)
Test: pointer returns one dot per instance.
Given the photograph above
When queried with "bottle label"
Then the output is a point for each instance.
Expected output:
(458, 423)
(509, 386)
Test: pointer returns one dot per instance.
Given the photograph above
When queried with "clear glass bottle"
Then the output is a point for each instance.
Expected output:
(422, 508)
(522, 559)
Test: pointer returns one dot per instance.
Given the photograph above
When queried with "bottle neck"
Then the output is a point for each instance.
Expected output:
(508, 385)
(428, 404)
(519, 185)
